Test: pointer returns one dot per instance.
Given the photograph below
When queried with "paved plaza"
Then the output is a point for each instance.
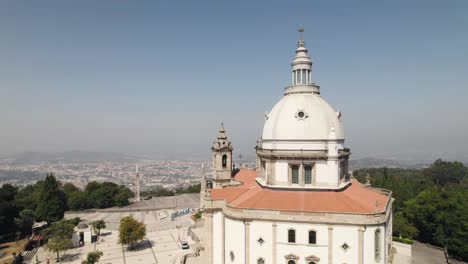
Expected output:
(163, 234)
(158, 247)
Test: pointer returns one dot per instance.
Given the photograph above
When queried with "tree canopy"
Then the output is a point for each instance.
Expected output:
(445, 172)
(92, 257)
(8, 209)
(430, 204)
(131, 231)
(98, 225)
(25, 221)
(48, 199)
(52, 202)
(99, 195)
(58, 236)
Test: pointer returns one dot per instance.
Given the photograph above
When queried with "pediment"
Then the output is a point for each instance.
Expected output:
(291, 256)
(312, 258)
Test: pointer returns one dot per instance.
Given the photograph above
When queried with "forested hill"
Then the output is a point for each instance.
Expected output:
(431, 205)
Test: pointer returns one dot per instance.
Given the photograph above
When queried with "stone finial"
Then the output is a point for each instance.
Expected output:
(368, 182)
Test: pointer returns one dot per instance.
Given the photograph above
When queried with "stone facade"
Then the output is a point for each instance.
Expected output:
(300, 206)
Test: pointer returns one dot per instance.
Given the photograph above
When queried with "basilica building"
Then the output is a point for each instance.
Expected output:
(300, 205)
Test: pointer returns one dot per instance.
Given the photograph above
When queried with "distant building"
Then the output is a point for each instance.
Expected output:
(300, 205)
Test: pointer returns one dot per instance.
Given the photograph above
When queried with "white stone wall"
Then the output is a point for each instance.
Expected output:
(321, 172)
(264, 230)
(217, 237)
(235, 241)
(302, 248)
(348, 235)
(369, 246)
(281, 172)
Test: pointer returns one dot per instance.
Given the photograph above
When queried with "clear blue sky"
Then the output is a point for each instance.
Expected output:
(160, 76)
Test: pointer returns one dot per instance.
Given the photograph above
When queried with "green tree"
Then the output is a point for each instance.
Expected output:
(92, 257)
(25, 221)
(131, 231)
(28, 197)
(52, 201)
(69, 188)
(444, 172)
(79, 201)
(122, 196)
(8, 208)
(8, 192)
(98, 225)
(59, 236)
(74, 221)
(402, 228)
(441, 216)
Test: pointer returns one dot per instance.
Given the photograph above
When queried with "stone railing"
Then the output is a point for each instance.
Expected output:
(292, 153)
(302, 154)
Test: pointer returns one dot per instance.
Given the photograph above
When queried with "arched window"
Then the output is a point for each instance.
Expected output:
(292, 236)
(312, 237)
(295, 174)
(377, 239)
(260, 261)
(291, 261)
(308, 174)
(224, 160)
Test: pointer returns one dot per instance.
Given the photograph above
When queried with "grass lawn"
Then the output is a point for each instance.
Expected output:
(10, 247)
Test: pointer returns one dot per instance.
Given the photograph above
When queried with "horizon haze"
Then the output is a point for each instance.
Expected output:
(160, 77)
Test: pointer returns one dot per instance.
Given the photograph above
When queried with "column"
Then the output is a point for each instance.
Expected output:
(223, 239)
(274, 242)
(301, 175)
(209, 237)
(247, 242)
(360, 245)
(330, 244)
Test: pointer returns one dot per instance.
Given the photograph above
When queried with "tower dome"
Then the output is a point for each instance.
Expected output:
(303, 117)
(302, 114)
(302, 144)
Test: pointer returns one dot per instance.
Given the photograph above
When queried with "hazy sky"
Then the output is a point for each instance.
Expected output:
(160, 76)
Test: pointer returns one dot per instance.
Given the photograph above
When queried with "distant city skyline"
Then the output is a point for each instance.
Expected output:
(160, 77)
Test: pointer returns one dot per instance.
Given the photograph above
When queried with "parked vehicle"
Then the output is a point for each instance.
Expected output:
(184, 245)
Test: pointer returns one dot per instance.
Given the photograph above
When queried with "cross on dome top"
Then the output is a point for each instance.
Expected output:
(301, 43)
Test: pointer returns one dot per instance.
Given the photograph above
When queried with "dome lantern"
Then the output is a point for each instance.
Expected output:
(301, 70)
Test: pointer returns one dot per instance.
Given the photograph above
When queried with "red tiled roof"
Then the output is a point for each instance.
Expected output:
(251, 195)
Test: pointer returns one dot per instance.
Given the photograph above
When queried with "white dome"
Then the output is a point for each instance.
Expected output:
(317, 120)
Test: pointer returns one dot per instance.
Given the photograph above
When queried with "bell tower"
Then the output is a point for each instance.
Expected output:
(221, 159)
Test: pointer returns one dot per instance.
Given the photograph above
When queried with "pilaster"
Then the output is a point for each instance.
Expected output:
(330, 245)
(247, 242)
(361, 245)
(274, 242)
(209, 237)
(223, 239)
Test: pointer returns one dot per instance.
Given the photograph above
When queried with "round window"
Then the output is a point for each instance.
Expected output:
(300, 114)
